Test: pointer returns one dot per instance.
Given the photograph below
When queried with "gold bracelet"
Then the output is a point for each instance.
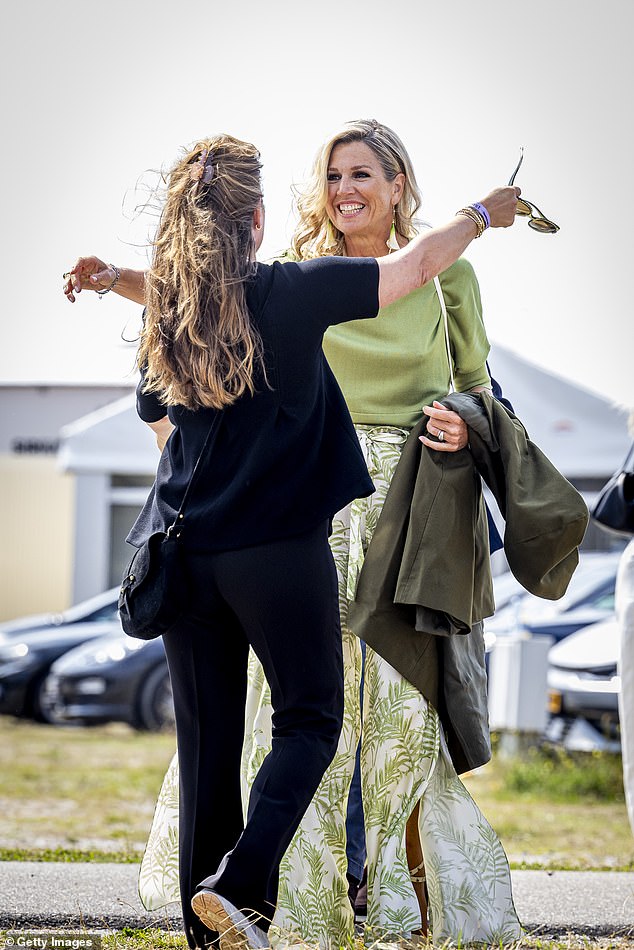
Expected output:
(476, 217)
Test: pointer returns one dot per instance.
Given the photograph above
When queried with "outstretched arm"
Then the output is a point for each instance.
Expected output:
(434, 251)
(91, 273)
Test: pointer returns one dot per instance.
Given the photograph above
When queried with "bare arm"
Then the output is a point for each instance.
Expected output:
(91, 273)
(162, 429)
(434, 251)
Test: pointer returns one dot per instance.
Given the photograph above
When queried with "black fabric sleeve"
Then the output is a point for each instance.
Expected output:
(334, 289)
(148, 405)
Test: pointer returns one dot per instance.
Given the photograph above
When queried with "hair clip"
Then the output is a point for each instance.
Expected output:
(204, 169)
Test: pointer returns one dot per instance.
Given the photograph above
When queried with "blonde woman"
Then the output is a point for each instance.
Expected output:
(232, 368)
(362, 199)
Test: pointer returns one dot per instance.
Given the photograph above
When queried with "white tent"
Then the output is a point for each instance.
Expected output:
(111, 439)
(584, 435)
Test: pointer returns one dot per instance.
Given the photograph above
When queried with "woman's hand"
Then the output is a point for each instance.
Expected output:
(454, 430)
(433, 251)
(501, 203)
(90, 273)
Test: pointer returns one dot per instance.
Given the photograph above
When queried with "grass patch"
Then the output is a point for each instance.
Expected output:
(155, 939)
(167, 940)
(549, 773)
(557, 810)
(79, 790)
(68, 855)
(89, 794)
(150, 939)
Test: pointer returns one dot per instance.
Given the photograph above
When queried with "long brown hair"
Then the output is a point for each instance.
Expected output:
(315, 235)
(198, 345)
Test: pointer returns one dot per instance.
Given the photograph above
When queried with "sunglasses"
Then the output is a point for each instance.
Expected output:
(526, 209)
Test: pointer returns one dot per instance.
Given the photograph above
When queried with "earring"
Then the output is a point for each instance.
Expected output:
(392, 242)
(258, 227)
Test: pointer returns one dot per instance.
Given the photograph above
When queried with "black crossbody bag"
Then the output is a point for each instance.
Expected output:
(152, 594)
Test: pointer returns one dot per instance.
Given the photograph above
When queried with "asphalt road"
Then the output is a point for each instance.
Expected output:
(104, 896)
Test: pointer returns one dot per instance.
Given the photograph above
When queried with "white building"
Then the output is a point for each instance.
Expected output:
(37, 499)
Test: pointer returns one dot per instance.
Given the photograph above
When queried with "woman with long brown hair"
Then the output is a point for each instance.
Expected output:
(231, 362)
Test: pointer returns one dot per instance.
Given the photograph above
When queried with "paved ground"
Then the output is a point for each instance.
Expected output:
(96, 896)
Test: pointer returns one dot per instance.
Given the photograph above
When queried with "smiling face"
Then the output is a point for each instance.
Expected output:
(360, 199)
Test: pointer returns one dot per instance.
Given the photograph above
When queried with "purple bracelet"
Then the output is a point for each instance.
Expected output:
(483, 211)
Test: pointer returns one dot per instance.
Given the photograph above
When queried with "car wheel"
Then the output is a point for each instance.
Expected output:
(155, 707)
(42, 709)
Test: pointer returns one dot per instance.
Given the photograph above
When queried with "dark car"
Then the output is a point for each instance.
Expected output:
(96, 609)
(583, 684)
(589, 599)
(114, 678)
(25, 660)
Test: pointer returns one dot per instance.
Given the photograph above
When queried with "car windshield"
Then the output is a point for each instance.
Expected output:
(591, 586)
(101, 607)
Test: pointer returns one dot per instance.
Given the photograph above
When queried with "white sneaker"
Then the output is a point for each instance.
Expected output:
(237, 932)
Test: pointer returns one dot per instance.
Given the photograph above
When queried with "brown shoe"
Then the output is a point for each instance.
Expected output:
(236, 929)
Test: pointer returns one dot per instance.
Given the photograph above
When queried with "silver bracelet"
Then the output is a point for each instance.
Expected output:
(117, 275)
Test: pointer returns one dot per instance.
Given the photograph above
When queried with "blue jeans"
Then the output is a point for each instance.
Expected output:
(355, 826)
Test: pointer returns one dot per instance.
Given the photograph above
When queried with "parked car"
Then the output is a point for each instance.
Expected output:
(114, 678)
(589, 599)
(583, 681)
(26, 657)
(96, 609)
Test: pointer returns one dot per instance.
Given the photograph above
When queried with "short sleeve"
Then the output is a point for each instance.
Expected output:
(148, 405)
(333, 290)
(469, 343)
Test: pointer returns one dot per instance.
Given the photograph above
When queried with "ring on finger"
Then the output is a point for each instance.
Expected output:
(441, 435)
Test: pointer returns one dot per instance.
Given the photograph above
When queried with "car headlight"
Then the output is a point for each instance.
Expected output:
(91, 686)
(13, 651)
(118, 651)
(15, 657)
(111, 652)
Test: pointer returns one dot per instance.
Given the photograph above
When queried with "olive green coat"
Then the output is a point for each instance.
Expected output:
(426, 581)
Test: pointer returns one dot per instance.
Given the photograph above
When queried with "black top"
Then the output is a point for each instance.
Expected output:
(279, 462)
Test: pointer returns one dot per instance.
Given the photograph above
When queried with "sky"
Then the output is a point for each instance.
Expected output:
(99, 97)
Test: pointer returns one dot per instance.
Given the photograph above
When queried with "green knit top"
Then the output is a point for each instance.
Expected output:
(392, 366)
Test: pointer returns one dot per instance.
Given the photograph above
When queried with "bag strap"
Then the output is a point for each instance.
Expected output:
(180, 513)
(443, 307)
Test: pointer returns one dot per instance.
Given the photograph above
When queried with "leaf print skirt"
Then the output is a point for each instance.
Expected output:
(404, 759)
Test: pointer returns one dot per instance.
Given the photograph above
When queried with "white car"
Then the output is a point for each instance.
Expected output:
(589, 599)
(583, 684)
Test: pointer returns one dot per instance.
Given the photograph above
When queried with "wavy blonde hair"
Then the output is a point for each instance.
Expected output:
(198, 345)
(315, 235)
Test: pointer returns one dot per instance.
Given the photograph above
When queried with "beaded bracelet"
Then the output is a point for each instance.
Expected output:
(476, 217)
(117, 275)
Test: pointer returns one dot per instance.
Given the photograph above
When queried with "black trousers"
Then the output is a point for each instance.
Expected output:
(281, 599)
